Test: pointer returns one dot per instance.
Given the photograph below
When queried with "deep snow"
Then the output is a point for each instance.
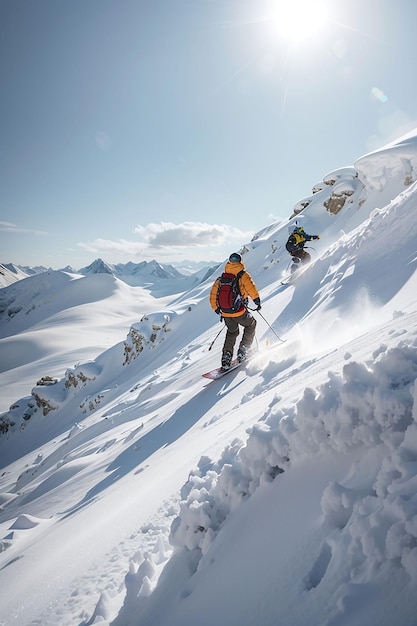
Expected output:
(135, 492)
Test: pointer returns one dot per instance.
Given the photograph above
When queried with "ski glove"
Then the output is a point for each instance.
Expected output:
(257, 303)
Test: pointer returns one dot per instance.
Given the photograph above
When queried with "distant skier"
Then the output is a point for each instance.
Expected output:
(228, 298)
(295, 246)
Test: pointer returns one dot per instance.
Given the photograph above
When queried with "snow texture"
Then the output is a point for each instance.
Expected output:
(134, 492)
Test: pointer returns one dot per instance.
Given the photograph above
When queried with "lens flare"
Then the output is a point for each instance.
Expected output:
(379, 94)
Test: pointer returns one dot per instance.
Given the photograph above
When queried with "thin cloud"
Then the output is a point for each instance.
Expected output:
(120, 246)
(8, 227)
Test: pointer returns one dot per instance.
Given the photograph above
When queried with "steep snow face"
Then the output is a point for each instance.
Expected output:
(374, 180)
(9, 274)
(140, 494)
(366, 412)
(396, 163)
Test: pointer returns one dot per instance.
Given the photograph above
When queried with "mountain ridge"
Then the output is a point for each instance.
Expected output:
(134, 274)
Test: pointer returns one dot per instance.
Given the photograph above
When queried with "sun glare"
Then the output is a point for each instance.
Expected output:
(298, 19)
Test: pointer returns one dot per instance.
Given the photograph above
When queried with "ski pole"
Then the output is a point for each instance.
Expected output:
(288, 266)
(220, 331)
(268, 324)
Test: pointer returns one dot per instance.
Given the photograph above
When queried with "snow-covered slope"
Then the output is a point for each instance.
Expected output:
(10, 274)
(55, 319)
(141, 494)
(156, 278)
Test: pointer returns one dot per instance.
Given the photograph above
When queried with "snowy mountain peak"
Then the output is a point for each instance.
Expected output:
(98, 267)
(151, 269)
(10, 273)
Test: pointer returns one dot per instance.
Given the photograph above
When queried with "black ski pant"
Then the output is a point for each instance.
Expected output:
(302, 255)
(232, 324)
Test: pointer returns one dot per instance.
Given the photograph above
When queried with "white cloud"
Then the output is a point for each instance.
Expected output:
(190, 234)
(168, 239)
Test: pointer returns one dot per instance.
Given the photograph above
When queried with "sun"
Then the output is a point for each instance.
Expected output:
(297, 20)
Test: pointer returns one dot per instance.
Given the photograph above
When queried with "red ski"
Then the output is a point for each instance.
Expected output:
(219, 372)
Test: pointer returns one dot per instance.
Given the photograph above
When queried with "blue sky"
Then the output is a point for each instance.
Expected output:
(175, 129)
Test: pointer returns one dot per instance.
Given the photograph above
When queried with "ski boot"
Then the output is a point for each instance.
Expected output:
(226, 360)
(296, 265)
(242, 353)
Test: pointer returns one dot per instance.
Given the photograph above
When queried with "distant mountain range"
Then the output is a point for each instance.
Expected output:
(146, 270)
(134, 274)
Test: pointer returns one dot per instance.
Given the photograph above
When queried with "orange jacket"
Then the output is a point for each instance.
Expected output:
(246, 285)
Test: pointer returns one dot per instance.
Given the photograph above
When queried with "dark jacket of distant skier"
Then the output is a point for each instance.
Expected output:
(239, 317)
(296, 242)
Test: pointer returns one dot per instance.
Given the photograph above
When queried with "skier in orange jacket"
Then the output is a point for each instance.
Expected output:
(235, 313)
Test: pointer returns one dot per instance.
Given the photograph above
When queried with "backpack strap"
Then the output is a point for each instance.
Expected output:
(239, 275)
